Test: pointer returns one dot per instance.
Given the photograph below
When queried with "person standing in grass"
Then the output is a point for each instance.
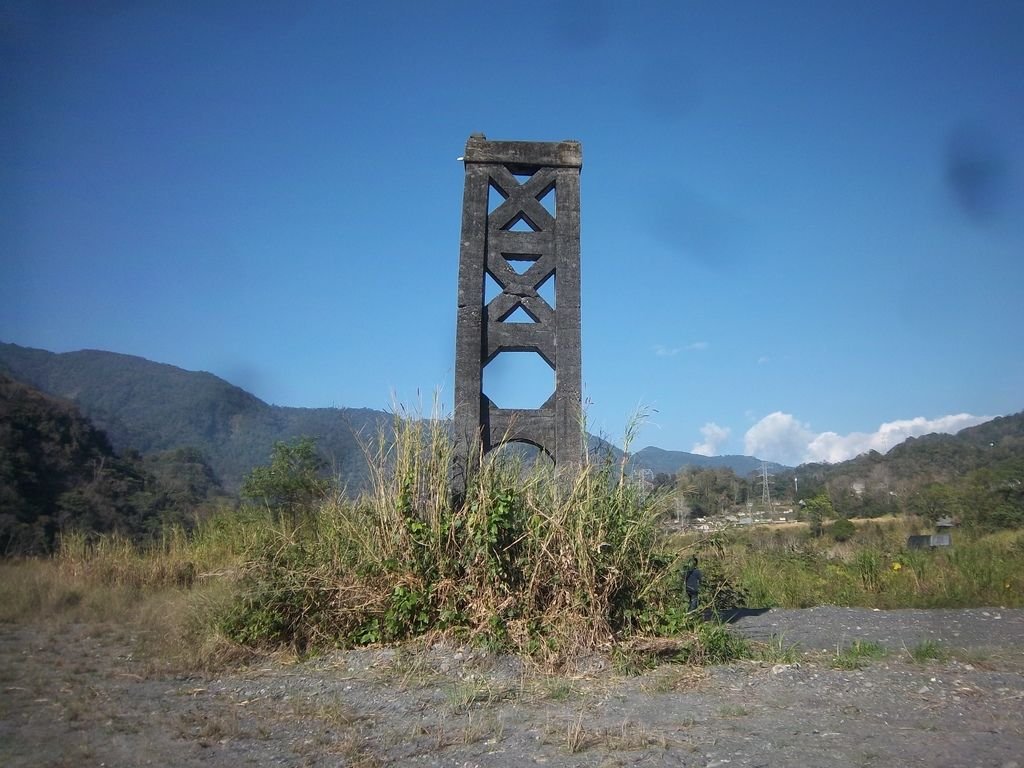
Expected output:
(692, 577)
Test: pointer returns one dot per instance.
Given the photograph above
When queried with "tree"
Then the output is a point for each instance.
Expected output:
(292, 483)
(934, 501)
(663, 480)
(816, 509)
(710, 490)
(842, 529)
(996, 495)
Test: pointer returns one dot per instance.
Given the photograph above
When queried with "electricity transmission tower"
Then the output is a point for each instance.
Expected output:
(766, 495)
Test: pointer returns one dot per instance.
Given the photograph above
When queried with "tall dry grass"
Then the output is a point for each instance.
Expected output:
(167, 593)
(875, 568)
(515, 556)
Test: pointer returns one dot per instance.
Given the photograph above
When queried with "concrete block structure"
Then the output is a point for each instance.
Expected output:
(521, 229)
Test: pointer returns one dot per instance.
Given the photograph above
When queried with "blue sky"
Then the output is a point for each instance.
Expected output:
(803, 222)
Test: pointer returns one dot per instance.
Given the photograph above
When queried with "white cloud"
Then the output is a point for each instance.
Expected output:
(714, 436)
(829, 446)
(697, 346)
(780, 437)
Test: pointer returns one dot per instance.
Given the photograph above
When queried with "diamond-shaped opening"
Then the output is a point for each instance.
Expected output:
(521, 224)
(518, 380)
(519, 315)
(547, 199)
(522, 176)
(521, 262)
(491, 288)
(495, 197)
(547, 290)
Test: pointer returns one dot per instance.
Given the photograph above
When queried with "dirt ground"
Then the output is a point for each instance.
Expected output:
(81, 695)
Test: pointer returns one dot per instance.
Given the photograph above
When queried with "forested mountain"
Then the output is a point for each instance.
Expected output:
(927, 459)
(976, 474)
(196, 428)
(152, 407)
(59, 473)
(659, 460)
(975, 477)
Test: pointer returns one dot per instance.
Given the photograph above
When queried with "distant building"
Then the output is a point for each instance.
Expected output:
(929, 541)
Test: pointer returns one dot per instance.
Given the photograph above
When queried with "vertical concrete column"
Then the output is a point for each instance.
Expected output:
(568, 337)
(469, 410)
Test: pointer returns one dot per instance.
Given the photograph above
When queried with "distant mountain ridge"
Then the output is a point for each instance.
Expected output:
(926, 459)
(152, 407)
(660, 460)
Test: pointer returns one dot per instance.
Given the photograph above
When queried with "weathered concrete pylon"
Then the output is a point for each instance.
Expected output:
(518, 231)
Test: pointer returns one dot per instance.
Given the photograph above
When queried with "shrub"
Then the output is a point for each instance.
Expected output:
(293, 482)
(842, 529)
(522, 558)
(714, 644)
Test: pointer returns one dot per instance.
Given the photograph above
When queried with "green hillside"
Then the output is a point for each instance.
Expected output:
(59, 473)
(152, 407)
(975, 475)
(197, 431)
(669, 462)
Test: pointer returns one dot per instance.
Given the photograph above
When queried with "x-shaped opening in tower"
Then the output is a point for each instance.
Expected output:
(522, 201)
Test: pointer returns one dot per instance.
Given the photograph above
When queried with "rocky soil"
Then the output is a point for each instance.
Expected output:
(81, 695)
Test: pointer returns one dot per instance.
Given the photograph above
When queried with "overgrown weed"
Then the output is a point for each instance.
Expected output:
(874, 568)
(576, 735)
(927, 650)
(776, 651)
(857, 655)
(515, 558)
(40, 590)
(172, 624)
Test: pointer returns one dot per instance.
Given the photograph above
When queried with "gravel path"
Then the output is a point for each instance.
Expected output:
(827, 627)
(77, 695)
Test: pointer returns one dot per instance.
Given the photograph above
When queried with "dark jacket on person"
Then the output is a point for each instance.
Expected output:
(693, 577)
